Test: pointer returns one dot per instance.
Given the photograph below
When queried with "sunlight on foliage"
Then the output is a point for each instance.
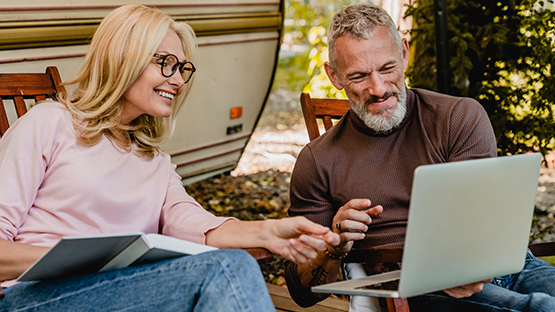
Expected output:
(306, 23)
(501, 53)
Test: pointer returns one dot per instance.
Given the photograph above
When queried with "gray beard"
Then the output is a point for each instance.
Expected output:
(380, 123)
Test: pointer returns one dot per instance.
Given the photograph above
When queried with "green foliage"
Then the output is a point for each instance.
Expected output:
(306, 23)
(502, 54)
(291, 73)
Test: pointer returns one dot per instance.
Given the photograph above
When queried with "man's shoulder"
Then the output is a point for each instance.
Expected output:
(443, 103)
(433, 97)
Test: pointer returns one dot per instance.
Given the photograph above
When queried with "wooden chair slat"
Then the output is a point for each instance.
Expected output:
(397, 305)
(309, 117)
(327, 122)
(324, 109)
(20, 106)
(4, 124)
(331, 107)
(53, 72)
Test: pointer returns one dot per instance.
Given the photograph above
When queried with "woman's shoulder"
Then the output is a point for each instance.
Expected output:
(48, 111)
(47, 116)
(49, 106)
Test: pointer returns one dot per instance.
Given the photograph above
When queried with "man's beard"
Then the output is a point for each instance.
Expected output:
(386, 119)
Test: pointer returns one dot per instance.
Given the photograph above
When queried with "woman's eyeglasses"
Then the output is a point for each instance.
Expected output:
(169, 64)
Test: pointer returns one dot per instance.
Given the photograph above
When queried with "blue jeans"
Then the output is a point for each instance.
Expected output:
(222, 280)
(533, 289)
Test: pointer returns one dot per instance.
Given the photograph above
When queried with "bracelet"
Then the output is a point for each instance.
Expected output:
(335, 256)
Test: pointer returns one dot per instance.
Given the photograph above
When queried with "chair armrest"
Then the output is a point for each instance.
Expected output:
(542, 249)
(262, 255)
(375, 255)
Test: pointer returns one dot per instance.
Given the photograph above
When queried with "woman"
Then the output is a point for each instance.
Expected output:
(94, 166)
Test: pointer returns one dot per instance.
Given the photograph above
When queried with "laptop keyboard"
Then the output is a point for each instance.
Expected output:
(391, 285)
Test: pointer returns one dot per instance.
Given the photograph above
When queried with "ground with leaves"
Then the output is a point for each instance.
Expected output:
(259, 188)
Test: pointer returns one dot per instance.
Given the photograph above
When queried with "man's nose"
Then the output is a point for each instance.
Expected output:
(375, 85)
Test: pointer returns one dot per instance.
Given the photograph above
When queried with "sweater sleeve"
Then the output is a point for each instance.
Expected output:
(182, 216)
(309, 191)
(471, 135)
(307, 194)
(25, 150)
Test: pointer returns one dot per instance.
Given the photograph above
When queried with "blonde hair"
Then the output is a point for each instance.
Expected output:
(360, 21)
(121, 48)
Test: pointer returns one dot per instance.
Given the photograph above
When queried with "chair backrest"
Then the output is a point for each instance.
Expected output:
(19, 87)
(325, 109)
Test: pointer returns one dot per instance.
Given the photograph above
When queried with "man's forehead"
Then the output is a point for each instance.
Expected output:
(377, 49)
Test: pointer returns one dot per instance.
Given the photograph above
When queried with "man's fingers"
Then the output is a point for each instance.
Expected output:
(315, 243)
(375, 211)
(352, 236)
(358, 204)
(353, 226)
(332, 238)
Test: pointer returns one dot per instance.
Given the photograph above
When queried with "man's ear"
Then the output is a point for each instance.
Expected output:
(332, 76)
(405, 53)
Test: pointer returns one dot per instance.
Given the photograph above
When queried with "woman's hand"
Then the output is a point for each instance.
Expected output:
(296, 239)
(299, 240)
(16, 258)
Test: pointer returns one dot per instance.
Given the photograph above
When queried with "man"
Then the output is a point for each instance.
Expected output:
(356, 178)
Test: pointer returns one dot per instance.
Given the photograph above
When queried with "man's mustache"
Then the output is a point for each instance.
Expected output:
(374, 98)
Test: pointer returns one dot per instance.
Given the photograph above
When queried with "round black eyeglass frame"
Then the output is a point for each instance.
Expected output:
(180, 65)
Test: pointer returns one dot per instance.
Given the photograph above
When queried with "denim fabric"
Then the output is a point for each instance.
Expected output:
(222, 280)
(533, 289)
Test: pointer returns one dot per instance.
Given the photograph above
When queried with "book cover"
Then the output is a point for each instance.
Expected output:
(78, 255)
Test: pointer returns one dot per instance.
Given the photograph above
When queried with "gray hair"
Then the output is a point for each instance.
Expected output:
(360, 21)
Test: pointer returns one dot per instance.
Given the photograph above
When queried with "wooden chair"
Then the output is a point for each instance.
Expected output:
(19, 87)
(39, 87)
(330, 109)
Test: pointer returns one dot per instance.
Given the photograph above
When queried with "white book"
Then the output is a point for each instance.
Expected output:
(78, 255)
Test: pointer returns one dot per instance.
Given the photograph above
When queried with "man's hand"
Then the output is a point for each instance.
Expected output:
(299, 240)
(466, 290)
(351, 223)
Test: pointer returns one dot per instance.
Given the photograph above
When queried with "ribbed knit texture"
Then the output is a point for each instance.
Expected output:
(351, 161)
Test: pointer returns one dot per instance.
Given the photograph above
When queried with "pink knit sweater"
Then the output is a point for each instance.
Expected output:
(52, 186)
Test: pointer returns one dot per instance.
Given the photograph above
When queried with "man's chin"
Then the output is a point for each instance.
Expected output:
(384, 120)
(382, 112)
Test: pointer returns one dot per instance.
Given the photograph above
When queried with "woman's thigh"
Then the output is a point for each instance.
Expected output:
(209, 281)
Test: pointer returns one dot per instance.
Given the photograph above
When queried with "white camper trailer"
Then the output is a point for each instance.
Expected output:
(238, 40)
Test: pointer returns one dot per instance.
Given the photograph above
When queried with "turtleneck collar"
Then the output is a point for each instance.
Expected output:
(361, 126)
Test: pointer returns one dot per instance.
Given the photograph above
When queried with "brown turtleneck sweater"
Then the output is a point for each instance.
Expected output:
(352, 161)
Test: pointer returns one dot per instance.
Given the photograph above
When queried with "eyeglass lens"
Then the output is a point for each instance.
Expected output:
(171, 65)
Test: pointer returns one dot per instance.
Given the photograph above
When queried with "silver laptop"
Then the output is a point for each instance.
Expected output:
(468, 221)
